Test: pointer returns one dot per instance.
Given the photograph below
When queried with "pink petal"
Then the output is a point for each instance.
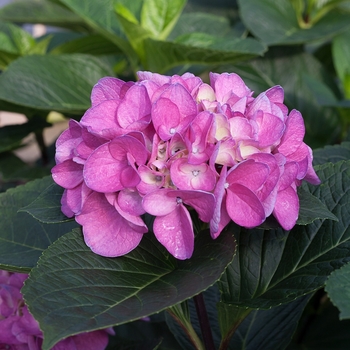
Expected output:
(68, 141)
(202, 202)
(102, 171)
(249, 173)
(130, 201)
(134, 111)
(244, 207)
(158, 203)
(293, 135)
(166, 118)
(105, 231)
(288, 176)
(219, 210)
(75, 197)
(287, 208)
(271, 129)
(175, 232)
(107, 88)
(226, 84)
(67, 174)
(240, 128)
(101, 120)
(187, 176)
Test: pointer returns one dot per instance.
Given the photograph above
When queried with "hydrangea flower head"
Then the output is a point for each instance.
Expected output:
(171, 145)
(20, 331)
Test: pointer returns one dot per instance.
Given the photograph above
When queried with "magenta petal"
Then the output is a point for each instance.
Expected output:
(175, 232)
(271, 129)
(158, 203)
(101, 120)
(287, 208)
(130, 201)
(166, 118)
(244, 207)
(75, 197)
(202, 202)
(105, 231)
(249, 173)
(134, 112)
(107, 88)
(67, 174)
(102, 171)
(293, 135)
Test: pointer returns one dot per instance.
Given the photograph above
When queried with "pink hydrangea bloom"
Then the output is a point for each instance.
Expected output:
(20, 331)
(165, 145)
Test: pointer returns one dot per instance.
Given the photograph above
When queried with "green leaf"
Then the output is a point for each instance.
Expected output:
(47, 206)
(332, 154)
(21, 40)
(197, 22)
(311, 207)
(160, 16)
(11, 135)
(100, 16)
(162, 55)
(338, 289)
(275, 22)
(14, 169)
(62, 82)
(82, 291)
(22, 238)
(95, 44)
(341, 57)
(39, 11)
(269, 329)
(276, 266)
(322, 123)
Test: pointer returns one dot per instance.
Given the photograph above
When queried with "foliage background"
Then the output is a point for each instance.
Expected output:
(274, 281)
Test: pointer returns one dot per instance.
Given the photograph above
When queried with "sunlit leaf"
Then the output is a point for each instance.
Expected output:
(53, 82)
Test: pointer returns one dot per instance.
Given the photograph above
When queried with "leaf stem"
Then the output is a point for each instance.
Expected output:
(204, 322)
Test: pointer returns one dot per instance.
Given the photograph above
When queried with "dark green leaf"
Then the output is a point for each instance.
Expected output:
(93, 44)
(39, 11)
(332, 154)
(163, 55)
(47, 206)
(81, 291)
(322, 329)
(275, 22)
(296, 72)
(338, 289)
(276, 266)
(196, 22)
(11, 135)
(13, 169)
(269, 329)
(61, 82)
(22, 238)
(311, 208)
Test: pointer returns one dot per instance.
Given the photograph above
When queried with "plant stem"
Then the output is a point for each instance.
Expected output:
(204, 322)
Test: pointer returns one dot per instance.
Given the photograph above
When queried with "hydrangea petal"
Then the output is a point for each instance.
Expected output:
(105, 231)
(158, 203)
(243, 206)
(134, 111)
(286, 210)
(67, 174)
(175, 232)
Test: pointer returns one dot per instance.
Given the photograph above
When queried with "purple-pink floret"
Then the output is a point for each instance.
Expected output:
(20, 331)
(165, 145)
